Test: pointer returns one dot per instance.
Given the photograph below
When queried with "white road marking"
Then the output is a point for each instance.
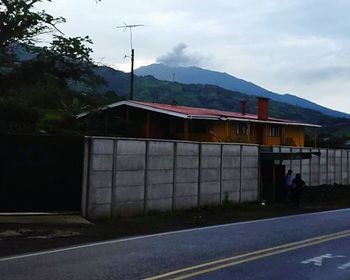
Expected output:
(344, 266)
(318, 260)
(113, 241)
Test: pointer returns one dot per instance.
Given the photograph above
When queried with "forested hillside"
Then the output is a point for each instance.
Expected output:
(42, 89)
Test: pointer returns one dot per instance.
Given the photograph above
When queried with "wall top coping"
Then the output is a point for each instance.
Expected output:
(206, 143)
(166, 140)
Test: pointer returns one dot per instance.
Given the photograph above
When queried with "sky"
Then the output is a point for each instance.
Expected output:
(301, 47)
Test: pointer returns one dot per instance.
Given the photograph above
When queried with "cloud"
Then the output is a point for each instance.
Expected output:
(337, 73)
(179, 57)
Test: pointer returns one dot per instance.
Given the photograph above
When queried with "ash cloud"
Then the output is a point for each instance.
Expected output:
(178, 57)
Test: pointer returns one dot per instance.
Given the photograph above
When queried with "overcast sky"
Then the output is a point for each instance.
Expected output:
(300, 47)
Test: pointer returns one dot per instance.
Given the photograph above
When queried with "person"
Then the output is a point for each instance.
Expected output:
(297, 186)
(288, 184)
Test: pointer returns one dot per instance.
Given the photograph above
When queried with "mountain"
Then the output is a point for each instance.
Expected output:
(47, 104)
(148, 88)
(196, 75)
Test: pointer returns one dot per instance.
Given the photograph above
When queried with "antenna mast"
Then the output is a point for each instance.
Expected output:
(131, 26)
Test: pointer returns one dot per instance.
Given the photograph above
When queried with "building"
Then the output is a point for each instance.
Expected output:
(164, 121)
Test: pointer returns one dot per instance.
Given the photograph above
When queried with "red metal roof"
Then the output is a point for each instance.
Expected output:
(204, 112)
(198, 113)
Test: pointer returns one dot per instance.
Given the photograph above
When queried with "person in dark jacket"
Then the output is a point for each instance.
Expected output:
(297, 187)
(288, 181)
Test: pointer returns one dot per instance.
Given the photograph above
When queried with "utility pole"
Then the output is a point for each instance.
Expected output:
(132, 75)
(132, 57)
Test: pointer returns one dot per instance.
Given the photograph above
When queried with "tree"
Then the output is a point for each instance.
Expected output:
(19, 24)
(66, 58)
(72, 48)
(42, 82)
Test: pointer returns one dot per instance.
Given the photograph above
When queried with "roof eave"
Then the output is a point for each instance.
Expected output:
(140, 105)
(275, 122)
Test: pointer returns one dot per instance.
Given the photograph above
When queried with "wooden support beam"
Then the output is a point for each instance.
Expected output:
(264, 134)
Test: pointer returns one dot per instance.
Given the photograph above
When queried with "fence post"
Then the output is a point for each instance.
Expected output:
(145, 195)
(221, 168)
(327, 162)
(240, 173)
(348, 167)
(199, 174)
(174, 175)
(114, 173)
(86, 178)
(259, 186)
(319, 168)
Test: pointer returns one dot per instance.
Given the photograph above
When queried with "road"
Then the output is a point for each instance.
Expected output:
(308, 246)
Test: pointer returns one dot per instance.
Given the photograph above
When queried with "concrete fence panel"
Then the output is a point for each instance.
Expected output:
(344, 167)
(186, 175)
(315, 169)
(287, 163)
(330, 167)
(100, 178)
(231, 173)
(129, 177)
(296, 164)
(338, 166)
(306, 168)
(249, 173)
(160, 176)
(323, 167)
(210, 174)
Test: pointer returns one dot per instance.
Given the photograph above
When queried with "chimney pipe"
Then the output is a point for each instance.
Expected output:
(243, 106)
(263, 108)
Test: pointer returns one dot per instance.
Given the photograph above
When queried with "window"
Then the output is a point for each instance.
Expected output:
(243, 128)
(275, 131)
(197, 126)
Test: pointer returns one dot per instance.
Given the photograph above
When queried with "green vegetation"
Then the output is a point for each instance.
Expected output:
(43, 88)
(334, 132)
(35, 91)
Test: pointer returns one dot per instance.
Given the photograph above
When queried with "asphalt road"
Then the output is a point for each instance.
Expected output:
(330, 260)
(309, 246)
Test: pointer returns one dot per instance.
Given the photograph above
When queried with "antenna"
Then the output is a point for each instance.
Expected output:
(131, 26)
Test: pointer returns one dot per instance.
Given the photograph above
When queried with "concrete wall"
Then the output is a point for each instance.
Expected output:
(332, 167)
(210, 174)
(135, 176)
(249, 173)
(231, 173)
(186, 170)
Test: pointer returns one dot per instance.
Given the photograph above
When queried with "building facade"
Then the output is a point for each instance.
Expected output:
(164, 121)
